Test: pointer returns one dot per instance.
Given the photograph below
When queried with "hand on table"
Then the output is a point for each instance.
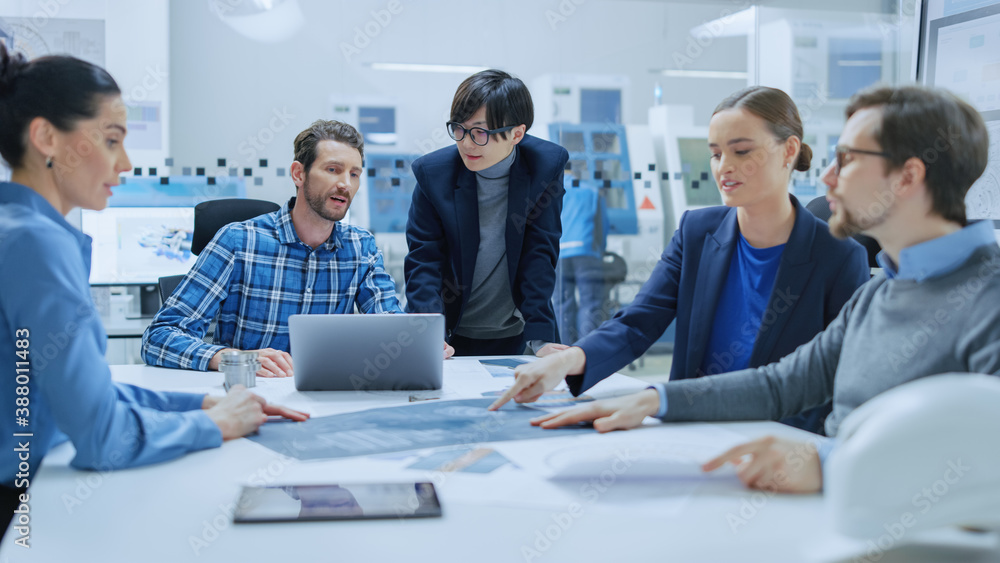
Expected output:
(774, 464)
(449, 351)
(241, 412)
(273, 363)
(534, 378)
(619, 413)
(551, 348)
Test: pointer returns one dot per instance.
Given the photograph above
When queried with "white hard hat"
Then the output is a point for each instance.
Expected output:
(918, 458)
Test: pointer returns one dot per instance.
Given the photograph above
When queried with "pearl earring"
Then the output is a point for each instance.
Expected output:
(48, 162)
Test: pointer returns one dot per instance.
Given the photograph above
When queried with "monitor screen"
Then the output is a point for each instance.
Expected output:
(138, 245)
(699, 184)
(377, 125)
(959, 42)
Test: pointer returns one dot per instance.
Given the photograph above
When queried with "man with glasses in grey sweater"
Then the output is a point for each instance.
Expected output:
(906, 159)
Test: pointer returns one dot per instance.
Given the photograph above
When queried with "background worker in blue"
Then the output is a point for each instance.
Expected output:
(483, 229)
(581, 262)
(748, 282)
(62, 128)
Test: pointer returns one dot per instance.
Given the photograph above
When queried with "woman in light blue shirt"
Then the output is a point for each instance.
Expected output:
(62, 124)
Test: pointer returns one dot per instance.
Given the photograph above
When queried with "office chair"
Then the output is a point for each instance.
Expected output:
(821, 209)
(167, 285)
(209, 217)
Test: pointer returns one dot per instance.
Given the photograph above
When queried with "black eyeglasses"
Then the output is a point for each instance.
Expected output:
(479, 135)
(842, 152)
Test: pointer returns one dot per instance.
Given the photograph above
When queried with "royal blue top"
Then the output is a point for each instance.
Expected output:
(740, 311)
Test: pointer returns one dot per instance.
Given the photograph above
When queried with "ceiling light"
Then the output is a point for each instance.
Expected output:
(414, 67)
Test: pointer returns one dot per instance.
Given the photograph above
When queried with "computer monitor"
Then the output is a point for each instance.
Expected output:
(138, 245)
(957, 50)
(699, 184)
(145, 232)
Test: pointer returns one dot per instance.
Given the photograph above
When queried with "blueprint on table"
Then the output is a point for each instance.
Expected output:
(510, 363)
(502, 367)
(393, 429)
(466, 459)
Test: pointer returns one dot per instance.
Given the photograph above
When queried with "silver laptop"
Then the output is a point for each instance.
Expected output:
(394, 352)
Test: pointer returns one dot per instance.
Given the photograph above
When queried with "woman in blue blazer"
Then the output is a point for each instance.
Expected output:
(747, 282)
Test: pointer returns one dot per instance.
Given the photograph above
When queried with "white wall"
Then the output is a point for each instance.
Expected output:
(227, 89)
(227, 96)
(136, 51)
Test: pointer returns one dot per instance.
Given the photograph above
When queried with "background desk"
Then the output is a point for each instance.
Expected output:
(164, 512)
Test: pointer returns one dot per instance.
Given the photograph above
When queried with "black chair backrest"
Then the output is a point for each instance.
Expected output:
(167, 286)
(821, 209)
(615, 269)
(210, 216)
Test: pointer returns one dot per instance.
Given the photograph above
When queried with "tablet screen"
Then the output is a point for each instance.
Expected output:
(337, 502)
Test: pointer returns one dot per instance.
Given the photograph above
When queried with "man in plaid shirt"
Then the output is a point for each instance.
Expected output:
(299, 259)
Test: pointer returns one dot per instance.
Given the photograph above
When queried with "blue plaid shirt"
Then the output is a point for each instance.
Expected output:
(255, 275)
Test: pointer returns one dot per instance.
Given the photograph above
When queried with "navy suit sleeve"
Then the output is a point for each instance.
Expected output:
(536, 276)
(631, 332)
(423, 267)
(853, 273)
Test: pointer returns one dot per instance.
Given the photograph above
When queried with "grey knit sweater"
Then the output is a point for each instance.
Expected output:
(490, 312)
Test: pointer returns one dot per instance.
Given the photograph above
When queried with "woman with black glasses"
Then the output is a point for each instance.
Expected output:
(483, 230)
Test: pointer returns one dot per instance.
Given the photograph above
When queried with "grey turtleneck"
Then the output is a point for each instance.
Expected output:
(490, 312)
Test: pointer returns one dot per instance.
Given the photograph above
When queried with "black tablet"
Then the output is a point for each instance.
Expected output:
(360, 501)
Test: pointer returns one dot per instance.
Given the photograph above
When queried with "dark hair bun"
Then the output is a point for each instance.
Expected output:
(11, 66)
(805, 158)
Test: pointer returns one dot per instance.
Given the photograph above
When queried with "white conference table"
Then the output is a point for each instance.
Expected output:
(181, 510)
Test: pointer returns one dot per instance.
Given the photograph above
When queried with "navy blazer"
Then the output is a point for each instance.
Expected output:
(442, 234)
(816, 276)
